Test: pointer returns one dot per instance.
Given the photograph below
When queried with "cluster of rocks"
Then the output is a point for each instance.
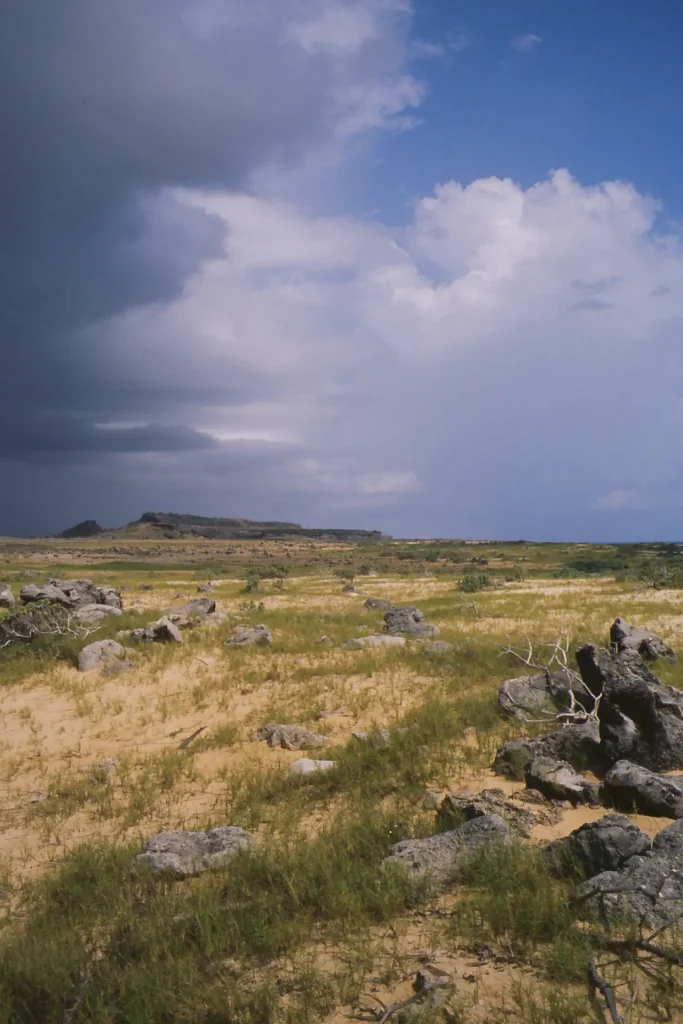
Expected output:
(55, 606)
(632, 733)
(399, 621)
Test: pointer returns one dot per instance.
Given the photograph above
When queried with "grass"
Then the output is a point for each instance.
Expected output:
(297, 930)
(107, 943)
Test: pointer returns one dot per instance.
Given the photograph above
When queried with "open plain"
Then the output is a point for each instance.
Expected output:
(309, 923)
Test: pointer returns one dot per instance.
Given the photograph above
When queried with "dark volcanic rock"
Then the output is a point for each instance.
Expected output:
(579, 744)
(649, 886)
(631, 638)
(409, 620)
(557, 780)
(641, 719)
(603, 845)
(632, 788)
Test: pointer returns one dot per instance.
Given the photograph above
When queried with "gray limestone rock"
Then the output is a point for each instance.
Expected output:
(183, 854)
(437, 857)
(98, 654)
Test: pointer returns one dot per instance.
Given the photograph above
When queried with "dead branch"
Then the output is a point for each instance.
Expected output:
(423, 987)
(42, 620)
(600, 985)
(557, 660)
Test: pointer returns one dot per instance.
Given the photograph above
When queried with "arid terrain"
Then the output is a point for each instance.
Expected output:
(307, 924)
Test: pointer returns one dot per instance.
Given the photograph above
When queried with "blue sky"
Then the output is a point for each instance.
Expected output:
(412, 266)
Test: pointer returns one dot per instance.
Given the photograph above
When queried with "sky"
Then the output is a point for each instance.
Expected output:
(408, 266)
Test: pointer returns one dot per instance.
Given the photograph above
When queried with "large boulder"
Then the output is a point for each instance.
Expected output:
(603, 845)
(247, 637)
(437, 857)
(641, 719)
(99, 654)
(557, 780)
(291, 737)
(374, 640)
(183, 854)
(631, 638)
(648, 887)
(6, 596)
(543, 695)
(71, 593)
(634, 789)
(410, 620)
(163, 631)
(577, 743)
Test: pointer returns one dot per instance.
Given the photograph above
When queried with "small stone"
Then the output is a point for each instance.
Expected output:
(291, 737)
(309, 766)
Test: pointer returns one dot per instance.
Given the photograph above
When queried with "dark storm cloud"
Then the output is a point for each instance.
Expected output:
(105, 108)
(53, 440)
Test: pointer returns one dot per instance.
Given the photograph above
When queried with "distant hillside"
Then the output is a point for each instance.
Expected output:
(88, 528)
(173, 525)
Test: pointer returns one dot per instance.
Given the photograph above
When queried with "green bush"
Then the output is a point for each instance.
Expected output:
(474, 582)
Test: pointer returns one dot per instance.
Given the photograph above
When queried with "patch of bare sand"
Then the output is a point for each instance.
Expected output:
(54, 733)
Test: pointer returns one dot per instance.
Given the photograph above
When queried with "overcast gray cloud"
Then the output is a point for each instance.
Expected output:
(107, 108)
(179, 332)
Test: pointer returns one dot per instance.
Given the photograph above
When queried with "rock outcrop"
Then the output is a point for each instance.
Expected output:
(641, 719)
(648, 887)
